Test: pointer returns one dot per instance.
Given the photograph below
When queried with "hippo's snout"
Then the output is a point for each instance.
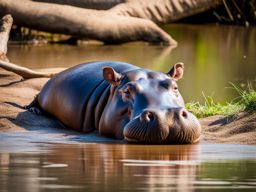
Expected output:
(174, 125)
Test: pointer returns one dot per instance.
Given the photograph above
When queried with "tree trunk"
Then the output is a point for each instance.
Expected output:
(128, 21)
(164, 11)
(5, 27)
(94, 24)
(159, 11)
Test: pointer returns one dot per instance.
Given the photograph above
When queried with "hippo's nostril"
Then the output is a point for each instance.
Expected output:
(147, 116)
(184, 113)
(150, 116)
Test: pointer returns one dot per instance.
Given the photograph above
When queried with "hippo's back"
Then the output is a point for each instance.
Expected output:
(77, 95)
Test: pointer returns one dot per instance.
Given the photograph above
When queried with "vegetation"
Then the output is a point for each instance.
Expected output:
(233, 12)
(245, 102)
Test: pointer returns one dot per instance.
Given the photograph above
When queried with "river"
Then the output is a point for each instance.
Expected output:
(124, 167)
(214, 56)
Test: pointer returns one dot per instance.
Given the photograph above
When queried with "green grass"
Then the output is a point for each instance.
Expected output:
(245, 102)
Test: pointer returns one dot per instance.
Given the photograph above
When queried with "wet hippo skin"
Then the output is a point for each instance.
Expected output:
(120, 100)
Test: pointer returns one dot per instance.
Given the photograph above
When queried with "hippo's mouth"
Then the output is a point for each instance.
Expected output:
(131, 140)
(177, 132)
(142, 132)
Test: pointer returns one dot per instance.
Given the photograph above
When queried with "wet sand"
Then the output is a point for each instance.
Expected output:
(18, 126)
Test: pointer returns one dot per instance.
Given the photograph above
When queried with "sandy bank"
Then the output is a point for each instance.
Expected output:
(19, 124)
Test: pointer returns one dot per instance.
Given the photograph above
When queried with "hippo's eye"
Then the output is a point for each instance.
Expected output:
(127, 91)
(126, 94)
(175, 88)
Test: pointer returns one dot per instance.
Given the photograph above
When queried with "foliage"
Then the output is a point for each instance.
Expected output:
(248, 97)
(245, 102)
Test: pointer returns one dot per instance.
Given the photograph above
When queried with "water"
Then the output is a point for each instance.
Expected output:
(214, 56)
(123, 167)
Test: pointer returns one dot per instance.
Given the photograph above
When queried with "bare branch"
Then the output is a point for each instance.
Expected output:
(23, 71)
(5, 28)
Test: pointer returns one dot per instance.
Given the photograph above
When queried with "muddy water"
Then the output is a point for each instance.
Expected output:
(214, 56)
(123, 167)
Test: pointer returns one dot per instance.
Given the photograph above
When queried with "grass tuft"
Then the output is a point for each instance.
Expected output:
(245, 102)
(248, 97)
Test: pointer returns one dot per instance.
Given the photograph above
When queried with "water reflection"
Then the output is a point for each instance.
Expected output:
(120, 167)
(213, 54)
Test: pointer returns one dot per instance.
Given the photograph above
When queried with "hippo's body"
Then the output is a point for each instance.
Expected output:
(78, 95)
(121, 101)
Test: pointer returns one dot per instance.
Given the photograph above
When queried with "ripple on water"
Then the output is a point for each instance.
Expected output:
(56, 186)
(134, 162)
(55, 165)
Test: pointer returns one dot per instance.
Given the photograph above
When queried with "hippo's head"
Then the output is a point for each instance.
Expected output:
(146, 106)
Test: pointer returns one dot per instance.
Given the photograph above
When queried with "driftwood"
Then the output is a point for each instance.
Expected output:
(100, 25)
(23, 71)
(89, 4)
(129, 21)
(5, 27)
(164, 11)
(159, 11)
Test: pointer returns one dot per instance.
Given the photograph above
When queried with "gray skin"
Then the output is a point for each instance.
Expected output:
(120, 101)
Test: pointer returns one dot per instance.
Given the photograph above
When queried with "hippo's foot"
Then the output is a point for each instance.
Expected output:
(36, 110)
(34, 107)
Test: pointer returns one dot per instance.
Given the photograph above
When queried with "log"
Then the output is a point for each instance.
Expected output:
(159, 11)
(89, 4)
(93, 24)
(5, 28)
(23, 71)
(164, 11)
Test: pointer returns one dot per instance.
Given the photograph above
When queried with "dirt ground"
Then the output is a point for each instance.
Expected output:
(19, 124)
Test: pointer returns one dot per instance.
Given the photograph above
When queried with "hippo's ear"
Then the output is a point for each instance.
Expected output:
(111, 76)
(176, 71)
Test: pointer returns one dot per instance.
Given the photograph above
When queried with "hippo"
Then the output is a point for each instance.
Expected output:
(121, 101)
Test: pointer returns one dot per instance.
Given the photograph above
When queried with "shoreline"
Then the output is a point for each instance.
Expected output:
(19, 124)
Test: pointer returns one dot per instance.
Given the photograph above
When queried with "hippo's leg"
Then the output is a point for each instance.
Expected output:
(34, 107)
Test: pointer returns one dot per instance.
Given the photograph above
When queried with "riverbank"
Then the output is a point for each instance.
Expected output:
(17, 124)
